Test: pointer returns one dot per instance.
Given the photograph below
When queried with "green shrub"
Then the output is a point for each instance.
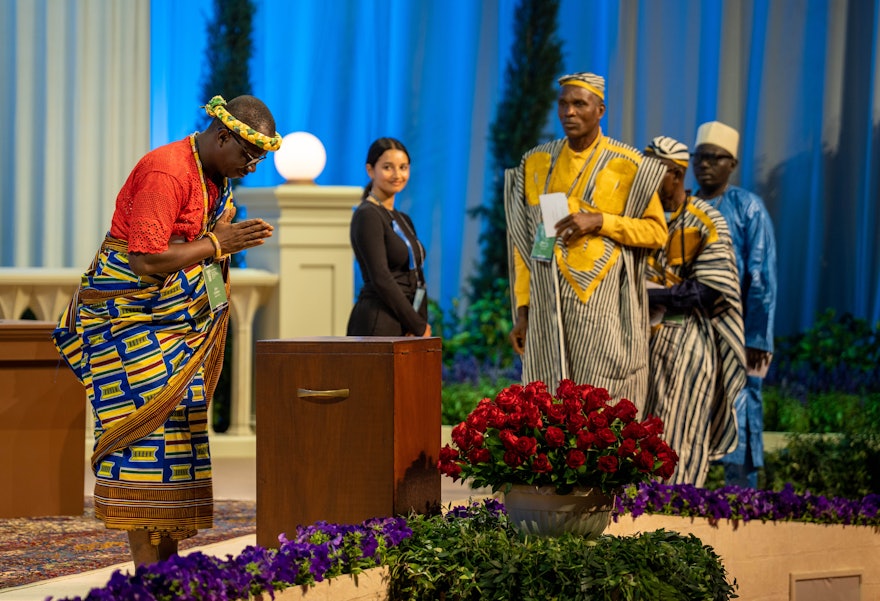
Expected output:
(784, 413)
(846, 465)
(483, 557)
(821, 412)
(459, 398)
(476, 335)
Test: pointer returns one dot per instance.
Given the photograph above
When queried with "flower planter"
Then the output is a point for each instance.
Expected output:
(540, 511)
(369, 585)
(772, 560)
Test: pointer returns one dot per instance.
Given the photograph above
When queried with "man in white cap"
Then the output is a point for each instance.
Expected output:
(578, 290)
(697, 353)
(714, 159)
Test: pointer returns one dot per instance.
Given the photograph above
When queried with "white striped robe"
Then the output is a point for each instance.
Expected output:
(698, 364)
(589, 325)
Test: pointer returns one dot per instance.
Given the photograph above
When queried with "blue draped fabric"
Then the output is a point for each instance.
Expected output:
(798, 78)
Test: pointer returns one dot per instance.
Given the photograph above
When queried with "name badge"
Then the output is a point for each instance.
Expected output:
(542, 250)
(215, 286)
(419, 298)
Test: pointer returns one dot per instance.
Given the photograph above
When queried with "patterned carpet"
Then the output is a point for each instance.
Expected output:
(34, 549)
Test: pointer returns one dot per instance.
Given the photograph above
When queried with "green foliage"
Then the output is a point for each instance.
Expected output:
(845, 465)
(821, 412)
(528, 97)
(228, 51)
(833, 340)
(837, 354)
(459, 398)
(475, 337)
(484, 558)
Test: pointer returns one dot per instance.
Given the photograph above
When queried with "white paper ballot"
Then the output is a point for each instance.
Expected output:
(553, 208)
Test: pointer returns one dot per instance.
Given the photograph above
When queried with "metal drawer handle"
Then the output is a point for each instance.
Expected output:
(305, 393)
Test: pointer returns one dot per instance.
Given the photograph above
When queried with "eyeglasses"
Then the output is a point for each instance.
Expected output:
(252, 160)
(709, 157)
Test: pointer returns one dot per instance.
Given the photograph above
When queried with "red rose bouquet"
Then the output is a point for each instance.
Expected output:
(577, 439)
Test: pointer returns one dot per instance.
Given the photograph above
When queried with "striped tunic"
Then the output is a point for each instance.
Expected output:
(588, 316)
(698, 357)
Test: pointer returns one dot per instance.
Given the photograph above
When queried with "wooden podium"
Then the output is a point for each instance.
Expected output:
(348, 429)
(42, 425)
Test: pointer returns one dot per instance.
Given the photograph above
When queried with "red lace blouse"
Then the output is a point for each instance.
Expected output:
(161, 198)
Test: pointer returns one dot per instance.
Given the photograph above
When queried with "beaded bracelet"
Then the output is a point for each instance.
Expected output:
(218, 252)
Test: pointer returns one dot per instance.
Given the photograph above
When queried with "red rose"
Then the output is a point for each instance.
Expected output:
(567, 389)
(573, 407)
(460, 436)
(555, 437)
(447, 453)
(526, 446)
(556, 414)
(597, 421)
(476, 438)
(605, 438)
(479, 456)
(669, 460)
(508, 438)
(634, 430)
(625, 410)
(515, 419)
(496, 418)
(541, 465)
(596, 398)
(585, 440)
(667, 452)
(653, 444)
(654, 425)
(644, 461)
(513, 459)
(666, 469)
(450, 468)
(607, 464)
(477, 421)
(536, 388)
(575, 423)
(507, 400)
(447, 464)
(627, 448)
(532, 417)
(575, 459)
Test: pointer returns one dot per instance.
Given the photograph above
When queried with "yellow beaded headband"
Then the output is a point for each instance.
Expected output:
(217, 108)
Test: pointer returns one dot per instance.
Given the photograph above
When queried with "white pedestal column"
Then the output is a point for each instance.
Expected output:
(311, 253)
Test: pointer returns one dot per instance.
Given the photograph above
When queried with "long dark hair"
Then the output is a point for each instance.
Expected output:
(377, 149)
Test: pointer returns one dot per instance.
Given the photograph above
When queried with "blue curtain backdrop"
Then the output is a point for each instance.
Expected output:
(798, 78)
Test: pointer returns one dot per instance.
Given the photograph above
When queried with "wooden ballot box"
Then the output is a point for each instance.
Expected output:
(348, 428)
(42, 425)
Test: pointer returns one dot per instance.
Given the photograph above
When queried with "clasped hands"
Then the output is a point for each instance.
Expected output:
(235, 237)
(575, 225)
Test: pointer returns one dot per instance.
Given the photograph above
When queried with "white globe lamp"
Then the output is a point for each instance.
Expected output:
(301, 158)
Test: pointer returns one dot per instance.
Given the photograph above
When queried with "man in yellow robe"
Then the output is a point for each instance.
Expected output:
(579, 290)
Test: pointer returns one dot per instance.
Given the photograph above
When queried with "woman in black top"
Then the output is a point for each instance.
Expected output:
(392, 301)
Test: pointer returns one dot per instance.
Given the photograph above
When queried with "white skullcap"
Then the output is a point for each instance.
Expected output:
(590, 81)
(664, 147)
(719, 134)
